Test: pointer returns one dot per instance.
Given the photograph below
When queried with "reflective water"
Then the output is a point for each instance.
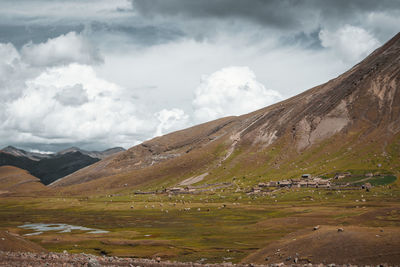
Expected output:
(39, 228)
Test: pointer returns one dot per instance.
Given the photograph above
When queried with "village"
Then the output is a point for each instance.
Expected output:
(304, 181)
(308, 181)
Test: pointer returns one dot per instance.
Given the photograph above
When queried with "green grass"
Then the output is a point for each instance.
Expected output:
(378, 181)
(214, 233)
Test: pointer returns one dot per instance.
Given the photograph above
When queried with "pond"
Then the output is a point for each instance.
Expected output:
(39, 228)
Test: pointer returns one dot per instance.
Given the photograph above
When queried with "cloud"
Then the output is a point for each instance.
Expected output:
(42, 11)
(288, 15)
(64, 49)
(13, 73)
(72, 95)
(41, 152)
(45, 110)
(8, 55)
(170, 119)
(230, 91)
(350, 43)
(50, 94)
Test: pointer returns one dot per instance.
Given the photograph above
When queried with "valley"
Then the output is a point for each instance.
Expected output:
(220, 226)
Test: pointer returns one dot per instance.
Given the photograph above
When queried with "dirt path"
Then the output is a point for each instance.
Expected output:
(193, 180)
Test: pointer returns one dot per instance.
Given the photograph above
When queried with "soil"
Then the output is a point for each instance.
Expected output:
(326, 245)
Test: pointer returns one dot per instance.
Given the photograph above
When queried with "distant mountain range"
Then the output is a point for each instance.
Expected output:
(50, 167)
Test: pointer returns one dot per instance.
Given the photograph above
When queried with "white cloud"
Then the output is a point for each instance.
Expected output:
(8, 54)
(41, 152)
(64, 49)
(350, 43)
(50, 94)
(106, 115)
(9, 58)
(230, 91)
(170, 120)
(13, 73)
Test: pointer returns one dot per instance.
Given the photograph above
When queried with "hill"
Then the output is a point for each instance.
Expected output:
(15, 180)
(15, 243)
(349, 123)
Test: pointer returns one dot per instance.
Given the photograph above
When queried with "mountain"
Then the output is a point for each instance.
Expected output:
(22, 153)
(50, 167)
(93, 154)
(351, 122)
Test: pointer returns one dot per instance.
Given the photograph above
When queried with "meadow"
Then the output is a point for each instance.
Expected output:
(216, 226)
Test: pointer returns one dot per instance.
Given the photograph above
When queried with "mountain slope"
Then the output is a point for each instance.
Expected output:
(15, 180)
(349, 123)
(93, 154)
(22, 153)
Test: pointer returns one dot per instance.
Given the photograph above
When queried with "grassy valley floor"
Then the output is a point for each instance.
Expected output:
(220, 226)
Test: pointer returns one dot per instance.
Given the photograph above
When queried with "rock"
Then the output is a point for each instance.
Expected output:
(316, 227)
(93, 263)
(340, 229)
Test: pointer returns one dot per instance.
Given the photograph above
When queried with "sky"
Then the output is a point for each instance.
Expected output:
(99, 73)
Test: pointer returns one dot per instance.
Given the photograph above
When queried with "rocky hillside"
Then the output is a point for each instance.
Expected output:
(349, 123)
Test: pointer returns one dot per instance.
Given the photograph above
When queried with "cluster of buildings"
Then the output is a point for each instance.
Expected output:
(305, 181)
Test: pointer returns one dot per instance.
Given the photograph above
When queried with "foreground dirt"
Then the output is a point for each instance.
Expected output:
(11, 259)
(327, 244)
(14, 243)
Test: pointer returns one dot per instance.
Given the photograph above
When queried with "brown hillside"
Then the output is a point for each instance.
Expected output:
(13, 242)
(350, 122)
(17, 181)
(355, 245)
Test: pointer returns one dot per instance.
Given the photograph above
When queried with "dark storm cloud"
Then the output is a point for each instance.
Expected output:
(19, 35)
(260, 11)
(281, 13)
(293, 15)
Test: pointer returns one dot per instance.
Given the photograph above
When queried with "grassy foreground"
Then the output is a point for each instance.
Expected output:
(219, 226)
